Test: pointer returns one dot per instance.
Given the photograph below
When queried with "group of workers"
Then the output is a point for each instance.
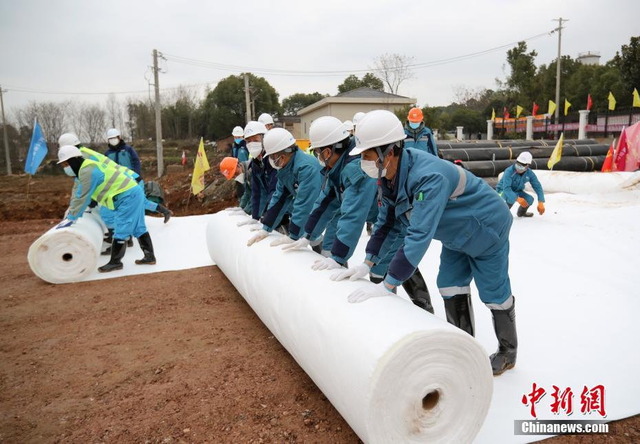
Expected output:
(113, 182)
(375, 169)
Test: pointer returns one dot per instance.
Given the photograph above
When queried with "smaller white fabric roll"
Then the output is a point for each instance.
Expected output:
(68, 254)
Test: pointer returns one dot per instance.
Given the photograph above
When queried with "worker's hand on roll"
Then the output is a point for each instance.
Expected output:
(370, 291)
(326, 263)
(541, 208)
(248, 221)
(282, 240)
(257, 237)
(300, 244)
(353, 273)
(255, 227)
(234, 211)
(64, 224)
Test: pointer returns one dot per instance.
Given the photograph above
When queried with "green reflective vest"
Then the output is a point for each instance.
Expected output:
(116, 181)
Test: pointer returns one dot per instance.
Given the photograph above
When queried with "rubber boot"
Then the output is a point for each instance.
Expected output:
(108, 239)
(147, 248)
(417, 290)
(167, 213)
(459, 312)
(130, 241)
(522, 212)
(118, 247)
(504, 324)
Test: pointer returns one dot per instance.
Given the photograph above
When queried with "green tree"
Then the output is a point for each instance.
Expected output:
(224, 107)
(296, 102)
(369, 80)
(521, 83)
(628, 62)
(472, 121)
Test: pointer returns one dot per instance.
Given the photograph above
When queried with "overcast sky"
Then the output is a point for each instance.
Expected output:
(105, 46)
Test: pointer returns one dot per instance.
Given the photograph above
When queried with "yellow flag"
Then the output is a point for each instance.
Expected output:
(567, 105)
(612, 102)
(518, 110)
(552, 107)
(493, 114)
(201, 165)
(636, 98)
(557, 153)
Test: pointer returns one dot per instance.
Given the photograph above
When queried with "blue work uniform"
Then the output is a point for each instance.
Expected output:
(421, 138)
(240, 151)
(264, 179)
(124, 155)
(298, 187)
(432, 198)
(511, 186)
(342, 208)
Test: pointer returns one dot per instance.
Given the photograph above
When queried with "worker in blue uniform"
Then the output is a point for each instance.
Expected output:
(419, 135)
(511, 185)
(431, 198)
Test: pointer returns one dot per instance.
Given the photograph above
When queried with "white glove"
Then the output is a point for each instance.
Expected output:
(257, 237)
(326, 263)
(300, 244)
(370, 291)
(282, 240)
(354, 273)
(234, 211)
(255, 227)
(249, 221)
(64, 224)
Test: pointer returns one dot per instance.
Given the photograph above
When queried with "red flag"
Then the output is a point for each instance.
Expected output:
(620, 154)
(535, 109)
(589, 102)
(505, 112)
(184, 158)
(607, 166)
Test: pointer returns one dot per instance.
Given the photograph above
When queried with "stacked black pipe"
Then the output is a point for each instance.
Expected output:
(490, 158)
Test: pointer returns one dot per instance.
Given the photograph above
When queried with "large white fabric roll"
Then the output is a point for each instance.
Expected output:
(393, 371)
(63, 255)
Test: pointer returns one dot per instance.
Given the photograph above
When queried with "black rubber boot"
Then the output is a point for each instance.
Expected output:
(522, 212)
(167, 213)
(130, 241)
(108, 239)
(417, 290)
(147, 248)
(504, 323)
(459, 312)
(118, 247)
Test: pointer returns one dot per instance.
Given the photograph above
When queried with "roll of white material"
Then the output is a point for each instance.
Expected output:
(68, 254)
(393, 371)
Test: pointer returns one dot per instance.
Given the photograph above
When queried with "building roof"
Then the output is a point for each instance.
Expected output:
(360, 96)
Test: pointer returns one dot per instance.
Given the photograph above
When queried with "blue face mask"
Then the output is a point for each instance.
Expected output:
(237, 140)
(414, 125)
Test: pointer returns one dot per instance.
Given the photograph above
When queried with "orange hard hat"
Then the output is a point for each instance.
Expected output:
(415, 115)
(228, 167)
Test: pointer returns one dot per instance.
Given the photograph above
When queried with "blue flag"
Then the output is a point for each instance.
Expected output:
(37, 150)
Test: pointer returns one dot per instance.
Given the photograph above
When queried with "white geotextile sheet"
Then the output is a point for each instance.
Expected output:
(394, 372)
(68, 254)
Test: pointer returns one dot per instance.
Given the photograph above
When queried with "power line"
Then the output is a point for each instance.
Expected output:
(75, 93)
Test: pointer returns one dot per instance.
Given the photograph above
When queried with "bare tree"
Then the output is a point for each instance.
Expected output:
(115, 113)
(93, 122)
(393, 69)
(52, 117)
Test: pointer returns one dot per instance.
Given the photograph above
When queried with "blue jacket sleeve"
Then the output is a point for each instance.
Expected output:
(535, 184)
(88, 180)
(256, 192)
(425, 216)
(385, 232)
(135, 161)
(309, 183)
(277, 205)
(356, 203)
(323, 211)
(507, 186)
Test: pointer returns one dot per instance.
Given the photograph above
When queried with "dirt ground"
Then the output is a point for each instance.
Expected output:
(160, 358)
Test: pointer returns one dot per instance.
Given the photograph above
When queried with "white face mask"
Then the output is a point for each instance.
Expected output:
(321, 162)
(255, 148)
(370, 168)
(273, 164)
(114, 141)
(69, 172)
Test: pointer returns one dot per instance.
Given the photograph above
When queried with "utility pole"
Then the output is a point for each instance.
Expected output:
(7, 156)
(156, 85)
(247, 97)
(558, 61)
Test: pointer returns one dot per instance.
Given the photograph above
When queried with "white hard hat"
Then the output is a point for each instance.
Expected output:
(377, 128)
(237, 132)
(525, 158)
(66, 152)
(68, 139)
(325, 131)
(348, 124)
(265, 119)
(113, 132)
(254, 128)
(276, 140)
(357, 117)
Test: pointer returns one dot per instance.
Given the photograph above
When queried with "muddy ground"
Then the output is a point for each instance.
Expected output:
(160, 358)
